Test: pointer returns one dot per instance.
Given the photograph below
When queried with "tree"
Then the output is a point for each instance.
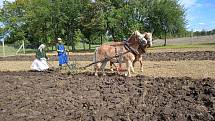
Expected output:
(166, 16)
(78, 37)
(42, 21)
(11, 17)
(91, 20)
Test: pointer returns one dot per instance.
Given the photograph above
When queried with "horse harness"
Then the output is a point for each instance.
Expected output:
(142, 45)
(118, 54)
(129, 48)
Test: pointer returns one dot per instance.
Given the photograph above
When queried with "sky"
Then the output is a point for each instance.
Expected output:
(200, 14)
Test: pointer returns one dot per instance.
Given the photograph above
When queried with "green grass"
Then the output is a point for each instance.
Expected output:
(79, 47)
(202, 45)
(10, 51)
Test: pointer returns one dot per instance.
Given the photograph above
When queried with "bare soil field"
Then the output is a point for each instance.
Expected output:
(54, 96)
(189, 68)
(195, 64)
(174, 86)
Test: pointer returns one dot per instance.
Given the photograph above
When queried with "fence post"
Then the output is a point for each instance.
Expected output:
(192, 37)
(3, 48)
(23, 44)
(21, 47)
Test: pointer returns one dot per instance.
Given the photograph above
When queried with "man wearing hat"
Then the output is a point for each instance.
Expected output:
(62, 56)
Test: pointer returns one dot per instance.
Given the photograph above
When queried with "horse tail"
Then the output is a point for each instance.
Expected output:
(95, 58)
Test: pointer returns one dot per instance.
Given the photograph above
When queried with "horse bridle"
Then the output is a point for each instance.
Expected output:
(148, 41)
(143, 43)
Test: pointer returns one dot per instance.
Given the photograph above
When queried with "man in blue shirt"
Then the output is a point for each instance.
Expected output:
(62, 56)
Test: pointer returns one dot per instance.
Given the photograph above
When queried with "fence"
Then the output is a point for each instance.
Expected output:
(11, 49)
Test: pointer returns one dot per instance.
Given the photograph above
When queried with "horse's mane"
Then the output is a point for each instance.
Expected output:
(136, 33)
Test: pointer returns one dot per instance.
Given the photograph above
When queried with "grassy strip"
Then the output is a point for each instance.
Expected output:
(9, 50)
(202, 45)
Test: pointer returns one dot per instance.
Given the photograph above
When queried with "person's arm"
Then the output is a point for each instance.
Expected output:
(58, 49)
(45, 55)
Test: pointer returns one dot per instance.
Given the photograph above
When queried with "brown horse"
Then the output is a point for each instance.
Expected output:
(148, 37)
(141, 51)
(126, 51)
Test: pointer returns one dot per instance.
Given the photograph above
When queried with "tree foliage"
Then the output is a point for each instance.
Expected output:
(42, 21)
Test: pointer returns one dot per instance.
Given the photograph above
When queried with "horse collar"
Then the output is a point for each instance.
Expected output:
(127, 47)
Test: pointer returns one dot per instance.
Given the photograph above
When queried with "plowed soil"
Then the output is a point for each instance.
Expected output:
(158, 56)
(55, 96)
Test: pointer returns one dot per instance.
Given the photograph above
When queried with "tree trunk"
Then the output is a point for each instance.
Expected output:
(112, 33)
(84, 45)
(73, 46)
(165, 38)
(71, 40)
(101, 40)
(89, 43)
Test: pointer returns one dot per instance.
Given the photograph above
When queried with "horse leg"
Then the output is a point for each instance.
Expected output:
(95, 58)
(133, 65)
(129, 67)
(111, 65)
(134, 62)
(103, 67)
(96, 68)
(137, 58)
(141, 64)
(132, 68)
